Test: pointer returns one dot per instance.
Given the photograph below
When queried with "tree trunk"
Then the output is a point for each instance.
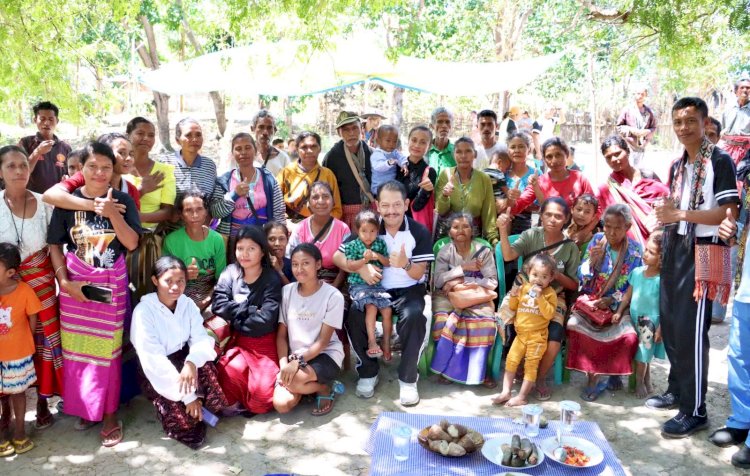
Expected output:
(592, 101)
(150, 59)
(398, 107)
(219, 104)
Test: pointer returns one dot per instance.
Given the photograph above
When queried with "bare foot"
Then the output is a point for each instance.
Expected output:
(443, 381)
(374, 351)
(516, 401)
(502, 398)
(387, 355)
(641, 391)
(649, 388)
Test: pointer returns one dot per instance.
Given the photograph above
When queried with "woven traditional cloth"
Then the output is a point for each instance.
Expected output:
(425, 463)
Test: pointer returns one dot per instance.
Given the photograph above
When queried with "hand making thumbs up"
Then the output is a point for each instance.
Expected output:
(597, 251)
(192, 269)
(399, 260)
(503, 221)
(243, 187)
(106, 206)
(448, 189)
(728, 228)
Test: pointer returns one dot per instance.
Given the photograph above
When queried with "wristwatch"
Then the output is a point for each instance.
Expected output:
(407, 266)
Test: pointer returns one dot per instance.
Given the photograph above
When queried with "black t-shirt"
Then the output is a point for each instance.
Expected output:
(92, 237)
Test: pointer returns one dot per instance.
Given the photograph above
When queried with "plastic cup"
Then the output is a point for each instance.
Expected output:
(569, 411)
(532, 414)
(401, 438)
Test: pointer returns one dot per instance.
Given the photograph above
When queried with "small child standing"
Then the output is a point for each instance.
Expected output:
(18, 313)
(534, 304)
(386, 157)
(368, 247)
(642, 297)
(584, 214)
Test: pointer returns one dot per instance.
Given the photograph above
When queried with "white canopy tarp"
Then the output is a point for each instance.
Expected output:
(288, 68)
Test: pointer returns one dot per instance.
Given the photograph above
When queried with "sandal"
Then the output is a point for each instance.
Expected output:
(336, 388)
(107, 434)
(614, 383)
(83, 425)
(590, 394)
(44, 422)
(542, 393)
(6, 449)
(375, 353)
(23, 446)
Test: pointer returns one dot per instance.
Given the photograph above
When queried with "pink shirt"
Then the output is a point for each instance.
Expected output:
(569, 189)
(328, 244)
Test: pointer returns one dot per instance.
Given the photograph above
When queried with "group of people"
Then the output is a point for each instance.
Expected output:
(239, 293)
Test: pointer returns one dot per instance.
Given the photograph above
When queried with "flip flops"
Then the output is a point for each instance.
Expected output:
(336, 388)
(375, 353)
(44, 422)
(614, 383)
(590, 394)
(6, 449)
(106, 434)
(542, 393)
(83, 425)
(22, 446)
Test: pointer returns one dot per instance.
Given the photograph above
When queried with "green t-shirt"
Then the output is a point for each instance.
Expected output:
(568, 256)
(210, 254)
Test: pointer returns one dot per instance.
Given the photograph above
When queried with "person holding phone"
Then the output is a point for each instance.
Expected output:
(92, 328)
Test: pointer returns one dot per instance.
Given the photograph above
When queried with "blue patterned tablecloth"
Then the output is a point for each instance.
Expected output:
(425, 463)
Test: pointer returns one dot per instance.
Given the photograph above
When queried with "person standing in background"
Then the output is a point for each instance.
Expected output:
(637, 124)
(47, 153)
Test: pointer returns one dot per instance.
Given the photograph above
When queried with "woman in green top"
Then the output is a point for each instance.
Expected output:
(548, 238)
(198, 246)
(463, 189)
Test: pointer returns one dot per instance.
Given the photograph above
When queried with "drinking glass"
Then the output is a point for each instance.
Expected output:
(569, 412)
(401, 438)
(532, 414)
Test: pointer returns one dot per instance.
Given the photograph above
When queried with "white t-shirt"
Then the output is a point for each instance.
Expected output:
(32, 231)
(304, 317)
(482, 160)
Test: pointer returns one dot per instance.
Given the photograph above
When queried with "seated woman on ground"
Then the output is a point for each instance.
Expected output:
(463, 336)
(310, 352)
(176, 355)
(247, 296)
(278, 239)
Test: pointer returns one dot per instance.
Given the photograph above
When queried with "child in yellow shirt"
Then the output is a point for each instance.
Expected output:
(534, 304)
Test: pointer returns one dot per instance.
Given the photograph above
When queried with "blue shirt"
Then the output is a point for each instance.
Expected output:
(382, 171)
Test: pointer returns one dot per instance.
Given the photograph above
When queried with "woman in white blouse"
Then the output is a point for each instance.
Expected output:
(176, 355)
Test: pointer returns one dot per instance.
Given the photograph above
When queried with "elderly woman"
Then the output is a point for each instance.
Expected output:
(558, 181)
(463, 336)
(25, 220)
(253, 192)
(463, 189)
(604, 270)
(547, 238)
(296, 179)
(191, 169)
(156, 185)
(176, 355)
(94, 292)
(324, 231)
(634, 187)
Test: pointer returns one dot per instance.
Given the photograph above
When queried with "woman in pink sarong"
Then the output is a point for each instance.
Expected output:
(636, 188)
(92, 324)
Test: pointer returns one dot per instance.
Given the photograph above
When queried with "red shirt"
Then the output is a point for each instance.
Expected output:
(569, 189)
(77, 181)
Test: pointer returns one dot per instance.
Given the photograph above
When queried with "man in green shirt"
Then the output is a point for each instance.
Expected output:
(440, 155)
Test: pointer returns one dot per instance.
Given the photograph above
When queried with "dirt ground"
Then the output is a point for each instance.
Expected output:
(332, 445)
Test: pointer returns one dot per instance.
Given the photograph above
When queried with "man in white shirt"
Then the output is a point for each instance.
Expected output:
(410, 248)
(488, 131)
(702, 189)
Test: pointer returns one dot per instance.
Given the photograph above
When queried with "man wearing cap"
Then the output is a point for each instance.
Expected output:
(47, 153)
(440, 155)
(349, 159)
(509, 125)
(735, 122)
(372, 122)
(263, 128)
(637, 124)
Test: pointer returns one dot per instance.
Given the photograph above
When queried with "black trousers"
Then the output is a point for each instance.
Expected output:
(684, 326)
(408, 305)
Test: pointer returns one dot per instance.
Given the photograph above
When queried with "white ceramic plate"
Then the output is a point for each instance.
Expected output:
(491, 450)
(596, 456)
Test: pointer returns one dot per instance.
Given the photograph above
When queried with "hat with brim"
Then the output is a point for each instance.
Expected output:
(346, 117)
(372, 114)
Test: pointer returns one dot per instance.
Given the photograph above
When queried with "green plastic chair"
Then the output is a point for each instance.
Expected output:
(561, 374)
(425, 360)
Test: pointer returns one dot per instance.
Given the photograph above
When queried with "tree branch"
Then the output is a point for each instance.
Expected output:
(610, 15)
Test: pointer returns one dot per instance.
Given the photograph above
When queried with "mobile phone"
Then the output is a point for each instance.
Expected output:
(97, 293)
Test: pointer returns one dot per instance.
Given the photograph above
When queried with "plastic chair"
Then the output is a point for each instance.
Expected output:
(425, 359)
(561, 374)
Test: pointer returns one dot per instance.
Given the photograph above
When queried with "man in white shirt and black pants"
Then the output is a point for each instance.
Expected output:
(410, 248)
(702, 189)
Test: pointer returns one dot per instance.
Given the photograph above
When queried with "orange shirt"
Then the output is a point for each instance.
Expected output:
(16, 338)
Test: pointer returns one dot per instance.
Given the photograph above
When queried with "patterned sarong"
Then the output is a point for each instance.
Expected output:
(37, 272)
(92, 341)
(735, 146)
